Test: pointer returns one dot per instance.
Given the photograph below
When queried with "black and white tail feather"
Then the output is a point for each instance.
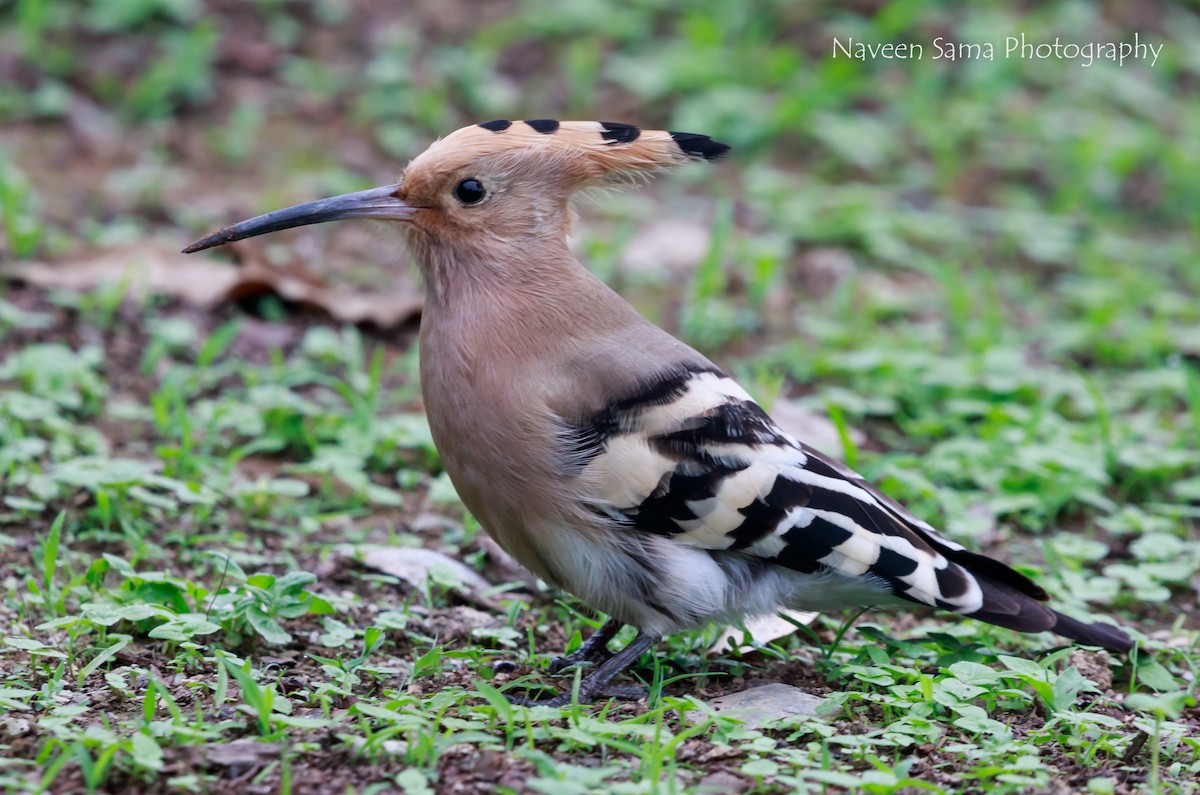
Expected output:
(690, 459)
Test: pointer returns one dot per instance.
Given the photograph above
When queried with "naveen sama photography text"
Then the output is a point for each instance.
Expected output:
(941, 48)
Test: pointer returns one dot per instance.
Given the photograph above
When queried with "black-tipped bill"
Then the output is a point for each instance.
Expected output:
(378, 203)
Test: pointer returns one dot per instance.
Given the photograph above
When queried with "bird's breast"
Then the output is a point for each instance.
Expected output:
(495, 438)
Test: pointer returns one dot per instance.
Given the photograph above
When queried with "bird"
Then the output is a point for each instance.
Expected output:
(609, 458)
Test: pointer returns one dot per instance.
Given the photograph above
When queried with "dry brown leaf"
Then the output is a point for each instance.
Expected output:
(144, 269)
(207, 283)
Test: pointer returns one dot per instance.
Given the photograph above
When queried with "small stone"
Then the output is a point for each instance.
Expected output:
(390, 747)
(723, 782)
(240, 753)
(14, 727)
(761, 706)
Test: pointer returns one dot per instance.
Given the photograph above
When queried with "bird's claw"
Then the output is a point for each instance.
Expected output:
(594, 650)
(598, 683)
(563, 698)
(580, 656)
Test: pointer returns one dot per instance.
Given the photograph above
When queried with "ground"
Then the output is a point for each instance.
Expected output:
(983, 273)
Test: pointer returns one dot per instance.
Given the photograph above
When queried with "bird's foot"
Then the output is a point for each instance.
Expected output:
(581, 656)
(598, 683)
(564, 698)
(594, 650)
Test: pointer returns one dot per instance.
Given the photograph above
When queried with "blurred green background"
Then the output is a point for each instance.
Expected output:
(123, 115)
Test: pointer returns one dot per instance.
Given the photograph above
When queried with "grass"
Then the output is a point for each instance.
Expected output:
(984, 273)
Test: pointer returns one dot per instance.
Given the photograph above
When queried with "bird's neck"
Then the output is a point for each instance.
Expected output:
(468, 277)
(497, 334)
(518, 310)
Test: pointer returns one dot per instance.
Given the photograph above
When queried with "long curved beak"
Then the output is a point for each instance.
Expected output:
(379, 203)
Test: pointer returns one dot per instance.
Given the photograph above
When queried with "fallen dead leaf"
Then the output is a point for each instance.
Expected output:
(143, 269)
(206, 283)
(414, 565)
(387, 309)
(762, 629)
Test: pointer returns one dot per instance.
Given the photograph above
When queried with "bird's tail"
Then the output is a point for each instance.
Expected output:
(1006, 604)
(1096, 633)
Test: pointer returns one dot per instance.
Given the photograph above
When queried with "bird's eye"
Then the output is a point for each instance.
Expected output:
(470, 191)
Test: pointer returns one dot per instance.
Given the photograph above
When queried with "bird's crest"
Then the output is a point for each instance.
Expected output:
(588, 150)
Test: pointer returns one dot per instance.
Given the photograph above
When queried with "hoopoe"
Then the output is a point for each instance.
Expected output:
(611, 459)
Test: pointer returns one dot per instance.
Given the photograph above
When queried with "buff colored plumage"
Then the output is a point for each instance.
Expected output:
(609, 458)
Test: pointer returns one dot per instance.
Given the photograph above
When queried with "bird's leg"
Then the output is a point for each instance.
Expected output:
(593, 650)
(596, 683)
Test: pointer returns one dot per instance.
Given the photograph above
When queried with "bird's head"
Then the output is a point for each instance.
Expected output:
(493, 184)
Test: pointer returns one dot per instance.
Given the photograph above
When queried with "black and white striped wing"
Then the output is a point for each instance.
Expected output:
(692, 457)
